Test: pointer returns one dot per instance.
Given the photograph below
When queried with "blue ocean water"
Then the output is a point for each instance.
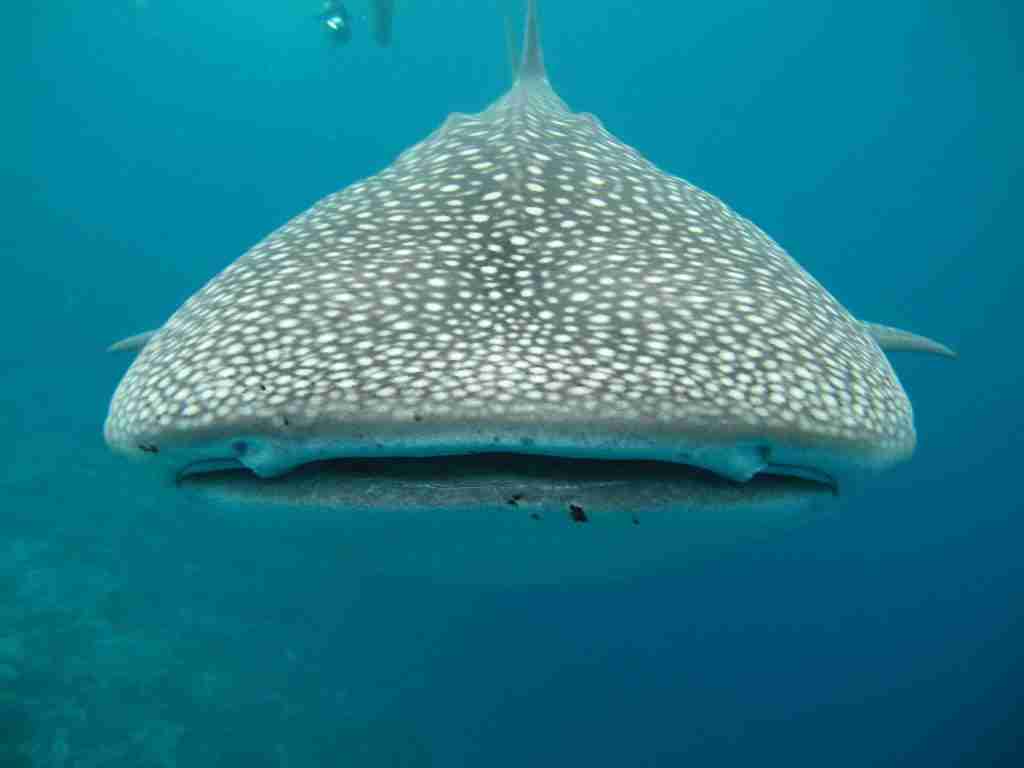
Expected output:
(149, 143)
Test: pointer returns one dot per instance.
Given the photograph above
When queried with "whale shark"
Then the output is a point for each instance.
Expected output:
(521, 318)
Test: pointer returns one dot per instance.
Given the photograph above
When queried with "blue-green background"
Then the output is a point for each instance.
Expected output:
(145, 146)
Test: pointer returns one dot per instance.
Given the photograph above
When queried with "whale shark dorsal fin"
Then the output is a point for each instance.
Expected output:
(531, 66)
(898, 340)
(132, 343)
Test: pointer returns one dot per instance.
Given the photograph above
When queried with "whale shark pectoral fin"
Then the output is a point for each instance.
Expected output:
(132, 343)
(896, 340)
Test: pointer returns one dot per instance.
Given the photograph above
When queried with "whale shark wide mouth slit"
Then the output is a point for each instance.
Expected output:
(504, 478)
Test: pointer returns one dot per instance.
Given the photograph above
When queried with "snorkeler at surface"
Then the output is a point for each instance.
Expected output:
(338, 23)
(383, 15)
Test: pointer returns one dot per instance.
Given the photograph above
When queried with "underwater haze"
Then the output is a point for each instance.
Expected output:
(149, 143)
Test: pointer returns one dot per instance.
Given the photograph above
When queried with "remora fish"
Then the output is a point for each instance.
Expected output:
(521, 318)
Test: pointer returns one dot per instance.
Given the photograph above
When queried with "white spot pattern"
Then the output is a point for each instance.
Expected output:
(518, 266)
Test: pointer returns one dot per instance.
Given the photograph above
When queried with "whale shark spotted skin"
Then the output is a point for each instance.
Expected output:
(520, 283)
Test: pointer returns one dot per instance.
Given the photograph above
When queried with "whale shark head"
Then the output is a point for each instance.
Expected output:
(521, 316)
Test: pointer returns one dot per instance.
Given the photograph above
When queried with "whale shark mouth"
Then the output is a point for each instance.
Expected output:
(540, 486)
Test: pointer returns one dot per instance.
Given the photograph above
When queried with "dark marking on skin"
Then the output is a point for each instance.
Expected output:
(514, 499)
(577, 514)
(148, 448)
